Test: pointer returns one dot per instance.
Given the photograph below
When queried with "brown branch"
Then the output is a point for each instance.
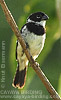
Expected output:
(35, 66)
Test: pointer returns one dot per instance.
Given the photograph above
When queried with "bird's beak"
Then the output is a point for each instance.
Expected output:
(45, 17)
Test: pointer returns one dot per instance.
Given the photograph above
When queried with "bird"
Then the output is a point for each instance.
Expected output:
(34, 35)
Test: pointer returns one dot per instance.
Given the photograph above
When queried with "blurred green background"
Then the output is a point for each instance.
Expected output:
(49, 59)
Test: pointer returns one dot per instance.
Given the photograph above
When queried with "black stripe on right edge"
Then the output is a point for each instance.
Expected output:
(16, 48)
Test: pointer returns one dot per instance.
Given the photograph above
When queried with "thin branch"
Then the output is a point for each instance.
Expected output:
(35, 66)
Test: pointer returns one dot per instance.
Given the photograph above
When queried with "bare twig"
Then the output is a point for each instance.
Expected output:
(35, 66)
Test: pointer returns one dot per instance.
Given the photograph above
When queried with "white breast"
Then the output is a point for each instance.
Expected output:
(36, 43)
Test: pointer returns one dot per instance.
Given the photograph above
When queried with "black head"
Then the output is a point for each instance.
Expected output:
(38, 16)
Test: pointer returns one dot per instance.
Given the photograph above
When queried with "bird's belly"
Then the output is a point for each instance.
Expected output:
(36, 44)
(35, 48)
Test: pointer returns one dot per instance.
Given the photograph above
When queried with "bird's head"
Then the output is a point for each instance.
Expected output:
(38, 17)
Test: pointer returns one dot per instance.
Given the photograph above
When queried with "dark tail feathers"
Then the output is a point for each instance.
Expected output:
(20, 77)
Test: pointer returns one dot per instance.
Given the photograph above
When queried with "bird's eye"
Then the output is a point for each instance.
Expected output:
(37, 16)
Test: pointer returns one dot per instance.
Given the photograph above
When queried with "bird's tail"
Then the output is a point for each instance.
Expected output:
(20, 77)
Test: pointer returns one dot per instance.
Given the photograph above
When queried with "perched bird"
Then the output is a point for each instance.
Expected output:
(34, 34)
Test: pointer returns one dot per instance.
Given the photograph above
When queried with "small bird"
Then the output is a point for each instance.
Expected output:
(34, 34)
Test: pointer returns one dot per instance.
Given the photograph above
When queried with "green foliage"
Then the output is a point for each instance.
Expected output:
(50, 57)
